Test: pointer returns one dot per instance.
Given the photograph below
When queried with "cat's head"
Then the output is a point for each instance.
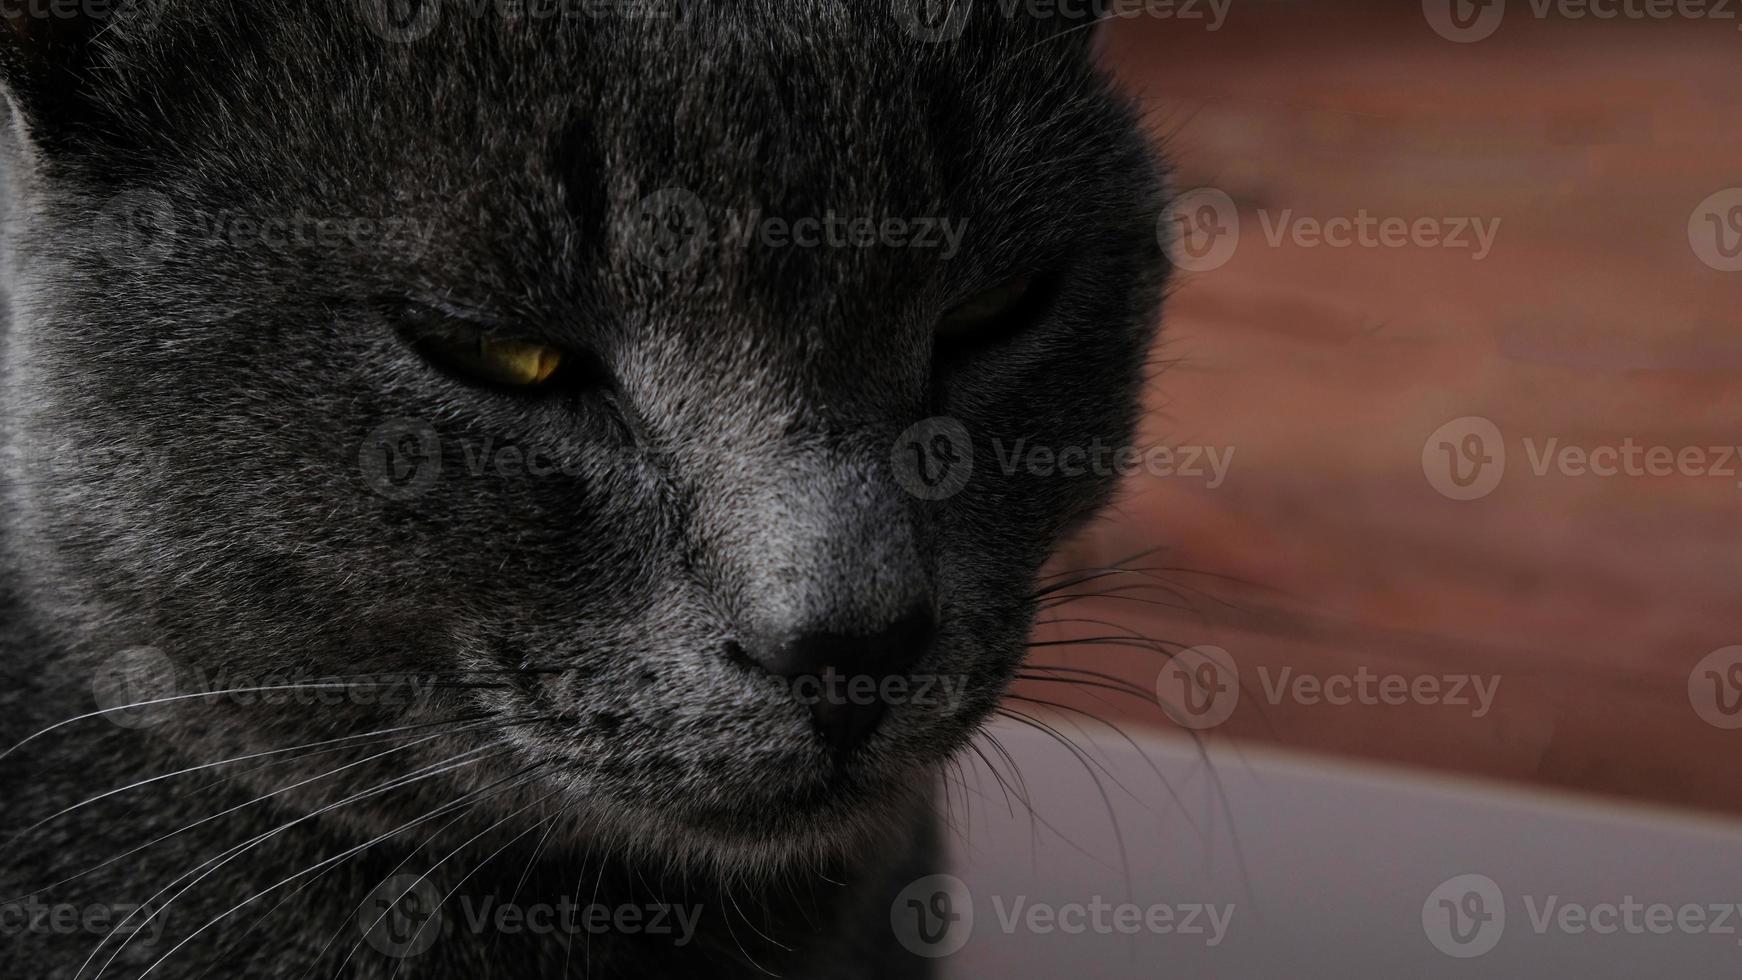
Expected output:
(663, 364)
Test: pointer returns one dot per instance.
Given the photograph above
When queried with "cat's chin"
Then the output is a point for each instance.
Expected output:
(852, 818)
(845, 828)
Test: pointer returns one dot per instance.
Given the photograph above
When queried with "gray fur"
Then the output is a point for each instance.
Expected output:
(734, 482)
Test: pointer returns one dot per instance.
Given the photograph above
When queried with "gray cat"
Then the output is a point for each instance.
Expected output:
(534, 460)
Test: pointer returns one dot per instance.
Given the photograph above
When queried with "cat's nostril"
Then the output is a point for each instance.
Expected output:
(840, 676)
(886, 651)
(735, 652)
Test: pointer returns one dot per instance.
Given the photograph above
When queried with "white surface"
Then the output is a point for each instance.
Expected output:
(1327, 869)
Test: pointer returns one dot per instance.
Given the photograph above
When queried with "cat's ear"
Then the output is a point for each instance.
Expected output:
(53, 62)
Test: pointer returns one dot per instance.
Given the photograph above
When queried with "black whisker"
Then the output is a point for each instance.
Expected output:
(1082, 757)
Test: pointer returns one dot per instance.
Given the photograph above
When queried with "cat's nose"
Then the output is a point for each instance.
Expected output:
(845, 679)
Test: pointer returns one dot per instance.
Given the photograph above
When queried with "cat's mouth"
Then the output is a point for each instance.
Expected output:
(847, 710)
(782, 808)
(791, 808)
(781, 767)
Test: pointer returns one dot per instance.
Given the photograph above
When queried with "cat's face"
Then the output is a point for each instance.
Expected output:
(741, 231)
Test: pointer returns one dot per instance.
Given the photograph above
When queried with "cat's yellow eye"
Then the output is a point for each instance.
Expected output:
(983, 312)
(516, 363)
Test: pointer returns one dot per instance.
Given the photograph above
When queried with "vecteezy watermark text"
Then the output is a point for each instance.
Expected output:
(31, 916)
(141, 687)
(403, 459)
(143, 227)
(1466, 458)
(405, 21)
(674, 229)
(1469, 21)
(1364, 230)
(1201, 230)
(1211, 13)
(407, 914)
(567, 917)
(1466, 916)
(1199, 688)
(1208, 463)
(941, 21)
(841, 689)
(934, 917)
(1366, 687)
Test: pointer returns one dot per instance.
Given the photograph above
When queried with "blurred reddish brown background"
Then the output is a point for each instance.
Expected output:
(1326, 370)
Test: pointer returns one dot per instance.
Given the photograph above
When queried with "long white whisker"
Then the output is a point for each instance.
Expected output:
(242, 806)
(193, 769)
(338, 857)
(358, 909)
(324, 686)
(468, 875)
(245, 846)
(306, 756)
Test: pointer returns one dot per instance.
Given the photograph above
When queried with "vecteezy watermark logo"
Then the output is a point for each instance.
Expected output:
(137, 228)
(934, 916)
(1465, 916)
(1464, 21)
(402, 21)
(932, 21)
(1715, 688)
(668, 230)
(1201, 229)
(1465, 458)
(401, 918)
(1715, 230)
(126, 684)
(933, 459)
(1199, 687)
(401, 460)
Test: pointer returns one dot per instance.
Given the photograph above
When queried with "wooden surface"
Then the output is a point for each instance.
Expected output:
(1591, 321)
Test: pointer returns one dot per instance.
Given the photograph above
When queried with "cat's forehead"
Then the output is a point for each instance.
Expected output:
(804, 158)
(786, 100)
(741, 105)
(789, 133)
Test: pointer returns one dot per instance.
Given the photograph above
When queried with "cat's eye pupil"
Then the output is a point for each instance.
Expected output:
(985, 312)
(517, 362)
(467, 351)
